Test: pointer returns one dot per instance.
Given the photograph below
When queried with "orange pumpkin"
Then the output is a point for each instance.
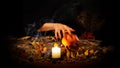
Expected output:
(69, 39)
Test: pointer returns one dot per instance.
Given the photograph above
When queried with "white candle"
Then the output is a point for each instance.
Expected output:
(56, 52)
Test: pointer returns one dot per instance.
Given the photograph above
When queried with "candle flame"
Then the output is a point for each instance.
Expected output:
(55, 44)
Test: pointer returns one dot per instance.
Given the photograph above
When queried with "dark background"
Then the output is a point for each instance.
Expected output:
(21, 12)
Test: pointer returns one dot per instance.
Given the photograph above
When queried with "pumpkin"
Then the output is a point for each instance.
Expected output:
(69, 39)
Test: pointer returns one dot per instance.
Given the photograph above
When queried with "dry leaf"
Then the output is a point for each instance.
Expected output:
(86, 53)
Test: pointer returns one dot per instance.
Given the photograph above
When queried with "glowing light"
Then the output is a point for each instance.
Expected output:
(56, 52)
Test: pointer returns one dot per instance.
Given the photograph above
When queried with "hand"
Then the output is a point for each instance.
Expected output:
(62, 28)
(58, 27)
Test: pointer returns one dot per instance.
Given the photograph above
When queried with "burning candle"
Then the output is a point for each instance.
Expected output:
(56, 51)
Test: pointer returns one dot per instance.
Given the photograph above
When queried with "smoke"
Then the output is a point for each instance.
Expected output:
(32, 29)
(29, 28)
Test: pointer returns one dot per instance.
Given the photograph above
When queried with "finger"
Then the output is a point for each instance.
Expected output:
(71, 29)
(69, 32)
(63, 32)
(56, 33)
(77, 38)
(59, 34)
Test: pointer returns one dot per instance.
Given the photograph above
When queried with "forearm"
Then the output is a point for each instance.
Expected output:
(47, 27)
